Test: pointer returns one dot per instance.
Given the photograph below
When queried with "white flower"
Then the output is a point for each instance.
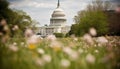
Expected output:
(51, 37)
(67, 50)
(47, 58)
(13, 48)
(75, 39)
(80, 51)
(15, 27)
(40, 51)
(6, 28)
(28, 33)
(90, 58)
(74, 56)
(102, 40)
(14, 43)
(96, 51)
(88, 38)
(65, 63)
(22, 43)
(93, 32)
(33, 39)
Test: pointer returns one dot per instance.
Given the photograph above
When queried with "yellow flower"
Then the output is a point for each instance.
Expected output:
(56, 48)
(31, 46)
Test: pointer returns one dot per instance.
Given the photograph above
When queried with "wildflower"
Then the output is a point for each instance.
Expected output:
(75, 39)
(28, 33)
(88, 38)
(90, 58)
(33, 39)
(14, 43)
(13, 48)
(6, 28)
(51, 37)
(102, 40)
(65, 63)
(39, 62)
(80, 51)
(40, 51)
(3, 22)
(67, 50)
(74, 56)
(56, 46)
(15, 27)
(31, 46)
(93, 32)
(47, 58)
(96, 51)
(22, 43)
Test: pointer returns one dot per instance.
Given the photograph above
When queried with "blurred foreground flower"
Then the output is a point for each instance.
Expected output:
(67, 50)
(65, 63)
(88, 39)
(39, 62)
(28, 33)
(3, 22)
(40, 51)
(33, 39)
(51, 37)
(32, 46)
(47, 58)
(80, 51)
(15, 27)
(90, 58)
(74, 56)
(56, 45)
(13, 48)
(102, 40)
(92, 32)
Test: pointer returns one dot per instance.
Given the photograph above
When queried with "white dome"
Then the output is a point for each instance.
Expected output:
(58, 12)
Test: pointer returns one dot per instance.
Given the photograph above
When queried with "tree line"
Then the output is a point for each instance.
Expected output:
(96, 15)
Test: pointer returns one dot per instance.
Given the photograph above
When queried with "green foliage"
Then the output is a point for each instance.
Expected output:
(94, 17)
(59, 35)
(14, 17)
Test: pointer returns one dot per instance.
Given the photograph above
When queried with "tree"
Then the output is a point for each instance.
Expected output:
(93, 16)
(14, 17)
(114, 22)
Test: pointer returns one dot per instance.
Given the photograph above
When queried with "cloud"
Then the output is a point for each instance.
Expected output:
(41, 10)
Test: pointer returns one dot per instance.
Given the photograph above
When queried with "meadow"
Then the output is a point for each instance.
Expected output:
(61, 53)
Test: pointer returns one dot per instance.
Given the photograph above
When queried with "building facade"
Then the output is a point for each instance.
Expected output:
(57, 23)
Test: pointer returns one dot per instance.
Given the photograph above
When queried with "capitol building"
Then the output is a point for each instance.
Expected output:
(57, 23)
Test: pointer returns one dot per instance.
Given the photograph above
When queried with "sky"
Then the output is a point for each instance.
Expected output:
(41, 10)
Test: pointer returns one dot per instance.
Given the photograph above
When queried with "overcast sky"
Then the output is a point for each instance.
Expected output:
(41, 10)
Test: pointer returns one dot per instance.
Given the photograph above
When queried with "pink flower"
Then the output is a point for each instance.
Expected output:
(13, 48)
(51, 37)
(28, 33)
(88, 38)
(102, 40)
